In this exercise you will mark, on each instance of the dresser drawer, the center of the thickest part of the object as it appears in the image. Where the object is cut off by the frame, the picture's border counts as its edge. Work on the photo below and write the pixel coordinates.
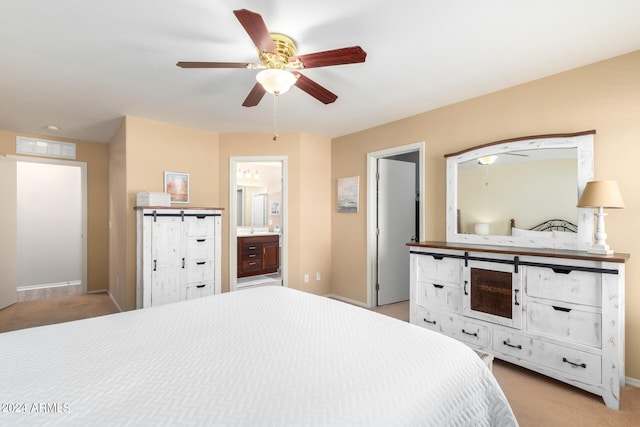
(434, 321)
(572, 362)
(471, 332)
(199, 290)
(565, 322)
(439, 296)
(433, 268)
(200, 248)
(577, 287)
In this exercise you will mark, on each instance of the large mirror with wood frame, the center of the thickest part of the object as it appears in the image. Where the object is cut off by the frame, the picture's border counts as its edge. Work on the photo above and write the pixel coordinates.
(521, 192)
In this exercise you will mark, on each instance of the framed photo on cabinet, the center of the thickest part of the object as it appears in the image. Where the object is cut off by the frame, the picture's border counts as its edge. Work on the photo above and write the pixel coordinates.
(177, 184)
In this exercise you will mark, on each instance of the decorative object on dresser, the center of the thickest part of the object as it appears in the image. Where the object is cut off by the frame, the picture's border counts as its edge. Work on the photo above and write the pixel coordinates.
(177, 184)
(600, 195)
(560, 313)
(258, 254)
(178, 254)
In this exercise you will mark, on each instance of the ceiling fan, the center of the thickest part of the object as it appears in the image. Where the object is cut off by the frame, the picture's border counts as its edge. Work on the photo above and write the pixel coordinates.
(277, 54)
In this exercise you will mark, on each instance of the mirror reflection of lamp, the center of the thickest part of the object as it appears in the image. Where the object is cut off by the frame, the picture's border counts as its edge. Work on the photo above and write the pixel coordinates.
(600, 195)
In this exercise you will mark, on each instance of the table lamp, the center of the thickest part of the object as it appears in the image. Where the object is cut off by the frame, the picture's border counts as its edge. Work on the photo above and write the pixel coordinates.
(601, 194)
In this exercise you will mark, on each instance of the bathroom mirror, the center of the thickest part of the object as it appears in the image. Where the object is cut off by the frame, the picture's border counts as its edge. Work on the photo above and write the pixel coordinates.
(247, 194)
(531, 180)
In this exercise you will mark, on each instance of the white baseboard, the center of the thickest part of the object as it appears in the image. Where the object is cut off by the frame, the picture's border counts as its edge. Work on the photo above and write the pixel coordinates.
(350, 301)
(49, 290)
(632, 381)
(115, 302)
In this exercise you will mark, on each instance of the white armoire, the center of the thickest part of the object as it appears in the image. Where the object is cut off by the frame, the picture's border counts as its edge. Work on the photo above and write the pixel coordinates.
(178, 254)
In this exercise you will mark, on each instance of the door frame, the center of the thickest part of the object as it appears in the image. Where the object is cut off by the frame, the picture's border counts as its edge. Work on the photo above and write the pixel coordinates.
(83, 203)
(233, 216)
(372, 211)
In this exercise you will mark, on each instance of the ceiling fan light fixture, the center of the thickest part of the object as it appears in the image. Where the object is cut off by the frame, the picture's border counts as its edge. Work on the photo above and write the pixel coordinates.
(276, 81)
(488, 160)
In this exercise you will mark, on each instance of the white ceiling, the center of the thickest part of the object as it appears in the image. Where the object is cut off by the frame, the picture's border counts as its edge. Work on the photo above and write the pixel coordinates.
(82, 65)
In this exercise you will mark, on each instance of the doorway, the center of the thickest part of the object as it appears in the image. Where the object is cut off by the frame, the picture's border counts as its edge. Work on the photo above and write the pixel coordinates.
(389, 227)
(258, 209)
(51, 228)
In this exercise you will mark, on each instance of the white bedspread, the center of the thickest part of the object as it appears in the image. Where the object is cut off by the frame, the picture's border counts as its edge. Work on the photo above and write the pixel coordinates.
(267, 356)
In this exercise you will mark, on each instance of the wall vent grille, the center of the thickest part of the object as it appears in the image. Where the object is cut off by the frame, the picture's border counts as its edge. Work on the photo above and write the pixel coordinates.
(44, 147)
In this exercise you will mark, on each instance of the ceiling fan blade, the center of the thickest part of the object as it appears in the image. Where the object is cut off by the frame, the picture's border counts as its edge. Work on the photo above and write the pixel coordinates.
(255, 96)
(256, 28)
(346, 55)
(314, 89)
(193, 64)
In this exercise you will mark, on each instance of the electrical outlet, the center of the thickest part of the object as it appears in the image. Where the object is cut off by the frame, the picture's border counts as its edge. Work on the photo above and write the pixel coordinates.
(318, 276)
(306, 278)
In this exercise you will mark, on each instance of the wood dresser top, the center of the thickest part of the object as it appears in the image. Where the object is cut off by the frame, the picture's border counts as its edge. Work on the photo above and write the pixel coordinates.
(552, 253)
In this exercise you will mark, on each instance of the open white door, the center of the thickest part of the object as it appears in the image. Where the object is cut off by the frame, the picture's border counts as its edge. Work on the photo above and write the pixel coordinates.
(396, 227)
(8, 231)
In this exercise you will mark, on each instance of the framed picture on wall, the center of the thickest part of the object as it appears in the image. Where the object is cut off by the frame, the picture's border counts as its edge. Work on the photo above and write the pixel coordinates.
(348, 194)
(177, 184)
(275, 207)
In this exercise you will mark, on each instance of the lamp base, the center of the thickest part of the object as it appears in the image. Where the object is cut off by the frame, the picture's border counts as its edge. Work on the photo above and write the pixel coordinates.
(600, 249)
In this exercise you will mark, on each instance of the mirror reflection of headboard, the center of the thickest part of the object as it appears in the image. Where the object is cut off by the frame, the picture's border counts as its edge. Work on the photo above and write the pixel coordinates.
(523, 168)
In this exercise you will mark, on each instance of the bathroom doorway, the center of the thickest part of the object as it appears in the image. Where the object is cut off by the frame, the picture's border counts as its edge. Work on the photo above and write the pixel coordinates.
(257, 222)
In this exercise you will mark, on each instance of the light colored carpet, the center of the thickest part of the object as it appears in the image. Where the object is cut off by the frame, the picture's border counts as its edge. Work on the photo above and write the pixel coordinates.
(28, 314)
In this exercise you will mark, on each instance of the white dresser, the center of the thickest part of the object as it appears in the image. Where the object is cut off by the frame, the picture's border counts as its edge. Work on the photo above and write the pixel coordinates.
(559, 313)
(178, 254)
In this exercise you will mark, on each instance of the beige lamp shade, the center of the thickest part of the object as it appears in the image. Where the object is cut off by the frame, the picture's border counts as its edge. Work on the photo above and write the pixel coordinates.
(605, 194)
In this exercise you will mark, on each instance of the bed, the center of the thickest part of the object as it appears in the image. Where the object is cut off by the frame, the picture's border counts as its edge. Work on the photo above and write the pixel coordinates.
(264, 356)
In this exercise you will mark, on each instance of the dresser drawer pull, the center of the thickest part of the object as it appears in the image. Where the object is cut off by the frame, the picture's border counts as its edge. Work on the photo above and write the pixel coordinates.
(201, 262)
(200, 286)
(251, 248)
(519, 347)
(475, 334)
(565, 309)
(252, 255)
(435, 285)
(577, 365)
(429, 321)
(252, 263)
(466, 282)
(201, 240)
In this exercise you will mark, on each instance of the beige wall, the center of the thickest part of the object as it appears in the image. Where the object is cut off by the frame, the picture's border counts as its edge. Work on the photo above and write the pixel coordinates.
(604, 96)
(309, 222)
(95, 155)
(143, 151)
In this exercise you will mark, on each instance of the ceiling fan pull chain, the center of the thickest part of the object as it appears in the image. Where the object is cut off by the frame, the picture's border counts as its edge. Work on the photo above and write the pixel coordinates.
(275, 116)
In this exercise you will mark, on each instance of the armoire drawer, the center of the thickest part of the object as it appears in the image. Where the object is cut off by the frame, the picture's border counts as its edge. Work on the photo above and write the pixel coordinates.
(570, 361)
(441, 295)
(199, 225)
(200, 248)
(199, 290)
(577, 287)
(200, 270)
(565, 322)
(434, 268)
